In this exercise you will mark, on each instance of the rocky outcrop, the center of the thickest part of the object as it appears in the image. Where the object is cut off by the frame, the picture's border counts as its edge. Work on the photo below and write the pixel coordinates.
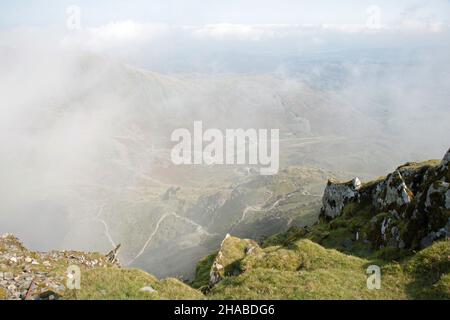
(26, 274)
(410, 208)
(112, 256)
(338, 195)
(232, 250)
(446, 159)
(433, 236)
(392, 193)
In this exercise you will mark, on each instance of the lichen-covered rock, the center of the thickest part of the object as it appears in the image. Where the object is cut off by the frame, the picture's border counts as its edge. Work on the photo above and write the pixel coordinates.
(410, 207)
(433, 236)
(438, 195)
(337, 195)
(232, 250)
(112, 256)
(446, 159)
(384, 230)
(393, 193)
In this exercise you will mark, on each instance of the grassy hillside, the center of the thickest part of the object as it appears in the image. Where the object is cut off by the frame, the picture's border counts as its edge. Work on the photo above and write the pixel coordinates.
(302, 269)
(400, 223)
(134, 284)
(329, 260)
(26, 274)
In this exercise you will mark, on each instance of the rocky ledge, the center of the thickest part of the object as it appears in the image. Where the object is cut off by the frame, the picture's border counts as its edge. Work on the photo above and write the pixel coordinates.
(410, 208)
(32, 275)
(232, 249)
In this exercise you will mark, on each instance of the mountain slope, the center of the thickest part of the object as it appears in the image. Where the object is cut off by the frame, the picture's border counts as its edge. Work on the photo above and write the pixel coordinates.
(383, 223)
(302, 269)
(89, 149)
(330, 259)
(26, 274)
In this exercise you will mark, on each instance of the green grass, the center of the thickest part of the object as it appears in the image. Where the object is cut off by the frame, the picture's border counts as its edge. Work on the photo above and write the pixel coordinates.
(431, 268)
(421, 165)
(327, 261)
(306, 270)
(302, 263)
(125, 284)
(202, 271)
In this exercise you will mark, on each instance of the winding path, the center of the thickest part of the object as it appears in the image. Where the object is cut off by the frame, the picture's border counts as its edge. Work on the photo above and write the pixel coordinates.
(200, 229)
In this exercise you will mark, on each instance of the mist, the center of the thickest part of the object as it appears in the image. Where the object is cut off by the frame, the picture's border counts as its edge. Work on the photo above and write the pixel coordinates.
(86, 118)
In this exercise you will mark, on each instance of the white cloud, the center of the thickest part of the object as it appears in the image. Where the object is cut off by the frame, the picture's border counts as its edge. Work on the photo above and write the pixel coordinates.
(186, 48)
(123, 33)
(115, 34)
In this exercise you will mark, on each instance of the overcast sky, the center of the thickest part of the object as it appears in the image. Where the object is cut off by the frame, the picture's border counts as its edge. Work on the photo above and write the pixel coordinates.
(198, 12)
(199, 35)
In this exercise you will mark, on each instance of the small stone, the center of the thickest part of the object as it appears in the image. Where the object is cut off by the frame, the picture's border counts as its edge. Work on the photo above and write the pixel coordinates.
(147, 289)
(8, 276)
